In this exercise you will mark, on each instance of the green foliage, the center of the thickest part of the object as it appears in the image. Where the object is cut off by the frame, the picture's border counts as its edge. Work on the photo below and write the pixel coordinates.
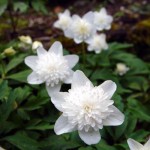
(27, 115)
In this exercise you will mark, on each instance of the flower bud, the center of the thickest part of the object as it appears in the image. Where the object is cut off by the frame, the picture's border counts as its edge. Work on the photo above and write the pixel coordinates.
(9, 51)
(25, 39)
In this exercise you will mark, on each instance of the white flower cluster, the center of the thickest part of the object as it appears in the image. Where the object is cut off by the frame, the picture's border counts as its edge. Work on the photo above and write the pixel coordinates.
(84, 107)
(84, 29)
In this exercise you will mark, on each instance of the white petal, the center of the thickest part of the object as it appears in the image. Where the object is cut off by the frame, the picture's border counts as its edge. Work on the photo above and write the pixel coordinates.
(109, 88)
(103, 10)
(91, 137)
(68, 33)
(116, 118)
(75, 17)
(68, 80)
(33, 78)
(56, 48)
(89, 17)
(41, 51)
(77, 41)
(67, 12)
(58, 98)
(56, 24)
(72, 60)
(147, 144)
(79, 79)
(51, 90)
(62, 126)
(31, 61)
(134, 145)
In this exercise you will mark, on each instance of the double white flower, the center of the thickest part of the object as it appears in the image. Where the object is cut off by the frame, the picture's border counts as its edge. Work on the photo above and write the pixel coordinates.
(86, 108)
(102, 20)
(64, 20)
(97, 43)
(51, 67)
(134, 145)
(81, 29)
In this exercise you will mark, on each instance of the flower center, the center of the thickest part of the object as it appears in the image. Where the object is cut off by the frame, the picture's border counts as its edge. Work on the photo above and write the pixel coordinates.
(52, 68)
(87, 108)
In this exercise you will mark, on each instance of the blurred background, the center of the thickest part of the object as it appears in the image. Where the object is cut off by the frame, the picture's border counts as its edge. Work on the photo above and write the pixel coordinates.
(36, 17)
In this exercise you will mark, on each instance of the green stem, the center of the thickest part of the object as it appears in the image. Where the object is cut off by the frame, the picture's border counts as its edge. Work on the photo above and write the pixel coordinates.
(84, 53)
(3, 68)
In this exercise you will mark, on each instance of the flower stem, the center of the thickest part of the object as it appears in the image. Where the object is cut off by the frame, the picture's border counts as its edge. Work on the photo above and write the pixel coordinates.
(84, 53)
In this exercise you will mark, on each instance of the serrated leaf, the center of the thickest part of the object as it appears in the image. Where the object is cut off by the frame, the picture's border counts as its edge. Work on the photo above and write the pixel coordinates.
(23, 141)
(21, 76)
(15, 62)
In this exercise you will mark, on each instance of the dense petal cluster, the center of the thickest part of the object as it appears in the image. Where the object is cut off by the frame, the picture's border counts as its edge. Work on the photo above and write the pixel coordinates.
(64, 20)
(97, 43)
(86, 108)
(134, 145)
(102, 20)
(51, 67)
(81, 29)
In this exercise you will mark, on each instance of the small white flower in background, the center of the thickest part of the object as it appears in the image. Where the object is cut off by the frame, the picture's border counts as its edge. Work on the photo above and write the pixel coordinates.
(86, 108)
(1, 148)
(81, 29)
(25, 39)
(51, 67)
(134, 145)
(121, 69)
(102, 20)
(97, 43)
(36, 44)
(64, 20)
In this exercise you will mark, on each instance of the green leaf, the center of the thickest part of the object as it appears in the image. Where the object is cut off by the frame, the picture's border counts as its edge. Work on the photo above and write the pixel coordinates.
(15, 62)
(35, 103)
(23, 114)
(139, 110)
(21, 76)
(4, 90)
(41, 126)
(39, 6)
(7, 107)
(140, 135)
(102, 145)
(21, 6)
(103, 74)
(3, 6)
(23, 141)
(132, 121)
(119, 130)
(55, 142)
(118, 46)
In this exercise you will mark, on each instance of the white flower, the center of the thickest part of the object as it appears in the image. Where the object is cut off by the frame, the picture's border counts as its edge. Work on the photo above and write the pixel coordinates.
(51, 67)
(36, 44)
(121, 69)
(63, 21)
(86, 108)
(97, 43)
(102, 20)
(1, 148)
(25, 39)
(134, 145)
(81, 29)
